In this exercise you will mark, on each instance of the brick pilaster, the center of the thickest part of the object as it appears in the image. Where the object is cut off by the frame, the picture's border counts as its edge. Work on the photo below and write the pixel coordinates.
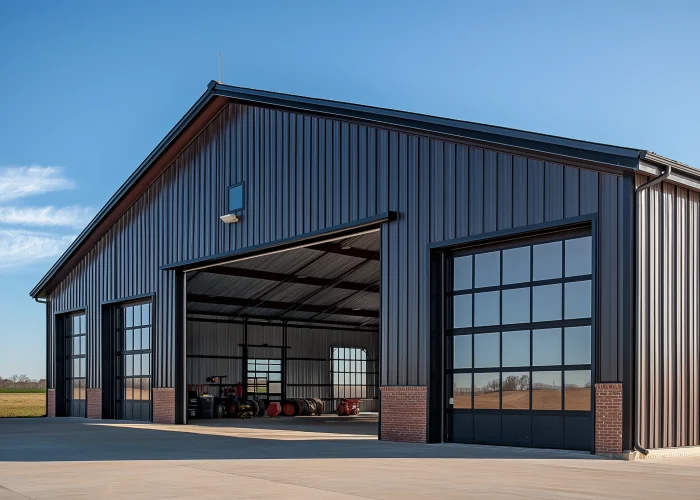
(163, 405)
(50, 402)
(608, 419)
(404, 413)
(94, 403)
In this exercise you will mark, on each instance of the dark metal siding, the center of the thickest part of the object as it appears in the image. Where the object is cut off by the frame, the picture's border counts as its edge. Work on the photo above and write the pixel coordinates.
(455, 191)
(306, 173)
(299, 177)
(668, 327)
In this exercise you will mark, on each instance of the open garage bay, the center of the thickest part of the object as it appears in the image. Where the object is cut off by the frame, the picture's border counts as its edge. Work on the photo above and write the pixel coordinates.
(297, 329)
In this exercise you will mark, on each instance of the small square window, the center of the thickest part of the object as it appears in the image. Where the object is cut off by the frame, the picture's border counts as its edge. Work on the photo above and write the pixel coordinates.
(235, 198)
(487, 268)
(462, 351)
(463, 273)
(462, 390)
(462, 311)
(487, 307)
(487, 350)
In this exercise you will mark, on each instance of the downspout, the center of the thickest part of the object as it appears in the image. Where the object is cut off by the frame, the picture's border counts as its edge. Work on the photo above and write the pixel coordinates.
(46, 397)
(637, 391)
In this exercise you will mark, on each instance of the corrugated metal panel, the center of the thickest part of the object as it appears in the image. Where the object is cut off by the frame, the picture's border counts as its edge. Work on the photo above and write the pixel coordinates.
(309, 376)
(528, 192)
(222, 339)
(198, 369)
(315, 376)
(177, 218)
(441, 189)
(230, 286)
(283, 262)
(668, 329)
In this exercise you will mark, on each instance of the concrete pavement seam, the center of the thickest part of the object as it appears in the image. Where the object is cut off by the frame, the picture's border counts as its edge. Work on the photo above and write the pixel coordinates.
(274, 481)
(15, 492)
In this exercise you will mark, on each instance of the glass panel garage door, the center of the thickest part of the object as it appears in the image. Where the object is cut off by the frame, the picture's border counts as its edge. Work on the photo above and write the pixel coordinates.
(520, 344)
(264, 378)
(76, 354)
(134, 362)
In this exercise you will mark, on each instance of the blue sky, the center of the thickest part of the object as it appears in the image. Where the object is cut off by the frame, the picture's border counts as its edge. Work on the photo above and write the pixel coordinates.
(87, 89)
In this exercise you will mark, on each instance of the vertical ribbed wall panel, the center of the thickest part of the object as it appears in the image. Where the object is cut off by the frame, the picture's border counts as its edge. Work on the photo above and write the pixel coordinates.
(456, 191)
(301, 174)
(668, 331)
(304, 173)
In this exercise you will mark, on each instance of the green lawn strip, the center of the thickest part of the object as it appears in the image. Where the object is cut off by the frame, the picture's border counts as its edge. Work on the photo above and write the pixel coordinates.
(21, 391)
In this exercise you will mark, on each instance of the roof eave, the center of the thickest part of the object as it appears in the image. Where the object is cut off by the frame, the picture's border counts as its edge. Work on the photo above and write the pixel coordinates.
(195, 120)
(603, 154)
(653, 164)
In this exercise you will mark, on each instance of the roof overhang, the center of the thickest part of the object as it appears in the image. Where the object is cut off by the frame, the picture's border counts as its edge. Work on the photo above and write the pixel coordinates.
(681, 174)
(217, 95)
(189, 126)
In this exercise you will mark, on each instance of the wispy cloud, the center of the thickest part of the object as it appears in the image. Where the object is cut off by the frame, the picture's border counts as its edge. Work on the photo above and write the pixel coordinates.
(74, 216)
(19, 247)
(20, 182)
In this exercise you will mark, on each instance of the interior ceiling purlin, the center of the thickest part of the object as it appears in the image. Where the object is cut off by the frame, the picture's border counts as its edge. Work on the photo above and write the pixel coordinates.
(333, 282)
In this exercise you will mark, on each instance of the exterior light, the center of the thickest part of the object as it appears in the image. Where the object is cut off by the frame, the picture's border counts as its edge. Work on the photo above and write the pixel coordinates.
(229, 218)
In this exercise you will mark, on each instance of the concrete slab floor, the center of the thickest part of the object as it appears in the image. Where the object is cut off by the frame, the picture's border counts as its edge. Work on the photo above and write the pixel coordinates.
(77, 458)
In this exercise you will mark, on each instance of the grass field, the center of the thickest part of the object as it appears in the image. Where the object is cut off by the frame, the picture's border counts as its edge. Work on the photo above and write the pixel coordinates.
(16, 391)
(22, 404)
(575, 399)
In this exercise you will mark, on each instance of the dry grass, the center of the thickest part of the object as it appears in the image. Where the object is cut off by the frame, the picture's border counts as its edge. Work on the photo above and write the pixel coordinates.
(22, 404)
(576, 399)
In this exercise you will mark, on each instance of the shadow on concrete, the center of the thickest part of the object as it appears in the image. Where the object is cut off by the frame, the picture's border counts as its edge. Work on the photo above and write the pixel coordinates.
(365, 424)
(66, 439)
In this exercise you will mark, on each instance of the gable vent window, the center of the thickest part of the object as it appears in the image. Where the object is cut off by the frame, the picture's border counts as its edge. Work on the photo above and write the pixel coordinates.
(235, 198)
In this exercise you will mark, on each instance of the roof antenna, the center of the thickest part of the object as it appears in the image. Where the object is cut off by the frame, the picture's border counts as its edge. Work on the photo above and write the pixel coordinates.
(221, 68)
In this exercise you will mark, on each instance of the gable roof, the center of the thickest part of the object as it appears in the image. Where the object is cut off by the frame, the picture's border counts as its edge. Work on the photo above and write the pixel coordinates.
(218, 95)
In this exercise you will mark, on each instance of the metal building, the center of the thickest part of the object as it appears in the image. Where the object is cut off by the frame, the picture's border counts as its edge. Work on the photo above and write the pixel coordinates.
(471, 283)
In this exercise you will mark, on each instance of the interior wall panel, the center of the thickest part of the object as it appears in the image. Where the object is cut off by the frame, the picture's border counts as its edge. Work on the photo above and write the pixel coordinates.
(214, 348)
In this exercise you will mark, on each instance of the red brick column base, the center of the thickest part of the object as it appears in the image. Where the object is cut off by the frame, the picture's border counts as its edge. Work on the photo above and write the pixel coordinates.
(50, 402)
(163, 405)
(404, 416)
(94, 403)
(608, 419)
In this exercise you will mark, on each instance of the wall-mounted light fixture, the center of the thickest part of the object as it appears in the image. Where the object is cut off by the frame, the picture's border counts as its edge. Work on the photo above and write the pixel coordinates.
(229, 218)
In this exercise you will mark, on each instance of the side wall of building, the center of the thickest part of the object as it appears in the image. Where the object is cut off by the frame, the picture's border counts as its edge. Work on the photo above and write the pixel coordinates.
(668, 322)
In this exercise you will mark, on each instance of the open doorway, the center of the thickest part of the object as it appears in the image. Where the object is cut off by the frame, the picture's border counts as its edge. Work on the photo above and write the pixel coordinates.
(298, 327)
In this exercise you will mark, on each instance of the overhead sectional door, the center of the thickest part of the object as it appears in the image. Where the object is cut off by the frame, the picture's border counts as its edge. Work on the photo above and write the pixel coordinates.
(134, 362)
(519, 346)
(264, 378)
(75, 349)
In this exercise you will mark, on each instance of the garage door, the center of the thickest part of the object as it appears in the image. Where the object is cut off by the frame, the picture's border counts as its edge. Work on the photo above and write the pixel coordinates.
(519, 346)
(134, 380)
(75, 349)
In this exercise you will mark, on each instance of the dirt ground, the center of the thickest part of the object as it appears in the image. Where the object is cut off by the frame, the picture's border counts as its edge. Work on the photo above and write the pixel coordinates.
(22, 404)
(574, 399)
